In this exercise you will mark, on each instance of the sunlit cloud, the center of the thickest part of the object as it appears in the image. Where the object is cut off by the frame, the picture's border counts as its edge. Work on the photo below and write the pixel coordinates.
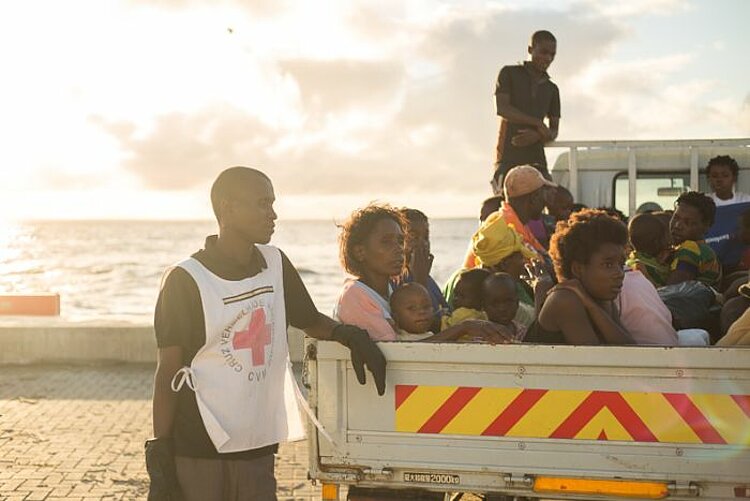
(351, 100)
(638, 7)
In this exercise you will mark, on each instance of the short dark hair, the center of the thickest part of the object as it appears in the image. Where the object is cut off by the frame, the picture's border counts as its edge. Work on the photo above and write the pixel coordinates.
(413, 217)
(615, 212)
(490, 205)
(358, 227)
(724, 160)
(500, 277)
(647, 232)
(700, 201)
(542, 36)
(474, 276)
(578, 238)
(406, 289)
(230, 182)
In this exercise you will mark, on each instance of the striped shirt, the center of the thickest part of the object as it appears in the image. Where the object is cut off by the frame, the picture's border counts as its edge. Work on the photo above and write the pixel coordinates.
(697, 258)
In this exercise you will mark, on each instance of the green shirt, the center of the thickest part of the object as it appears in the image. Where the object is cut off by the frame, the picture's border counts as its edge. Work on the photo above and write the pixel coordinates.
(656, 272)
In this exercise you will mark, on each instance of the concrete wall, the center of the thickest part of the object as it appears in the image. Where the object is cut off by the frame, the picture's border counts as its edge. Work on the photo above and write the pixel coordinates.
(92, 344)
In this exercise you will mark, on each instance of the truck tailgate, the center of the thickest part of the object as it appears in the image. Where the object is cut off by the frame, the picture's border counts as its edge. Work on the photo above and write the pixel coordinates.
(468, 417)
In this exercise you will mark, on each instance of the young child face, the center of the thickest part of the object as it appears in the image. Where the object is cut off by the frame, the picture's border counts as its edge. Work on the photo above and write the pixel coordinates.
(467, 294)
(721, 179)
(413, 311)
(500, 301)
(418, 234)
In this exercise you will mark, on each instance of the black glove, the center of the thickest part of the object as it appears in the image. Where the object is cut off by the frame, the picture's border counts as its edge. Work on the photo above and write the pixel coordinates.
(364, 352)
(161, 471)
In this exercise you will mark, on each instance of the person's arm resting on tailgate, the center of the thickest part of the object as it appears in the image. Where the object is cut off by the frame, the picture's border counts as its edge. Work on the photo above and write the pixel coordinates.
(364, 351)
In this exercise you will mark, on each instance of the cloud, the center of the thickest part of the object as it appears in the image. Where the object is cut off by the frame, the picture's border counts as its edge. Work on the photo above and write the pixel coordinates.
(638, 7)
(418, 114)
(63, 181)
(185, 150)
(330, 86)
(649, 99)
(256, 7)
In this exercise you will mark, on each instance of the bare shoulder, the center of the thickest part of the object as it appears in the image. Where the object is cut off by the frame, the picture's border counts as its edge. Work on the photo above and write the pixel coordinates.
(561, 299)
(560, 307)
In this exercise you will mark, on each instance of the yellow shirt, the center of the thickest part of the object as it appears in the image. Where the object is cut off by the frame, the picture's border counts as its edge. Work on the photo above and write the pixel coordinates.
(739, 332)
(461, 314)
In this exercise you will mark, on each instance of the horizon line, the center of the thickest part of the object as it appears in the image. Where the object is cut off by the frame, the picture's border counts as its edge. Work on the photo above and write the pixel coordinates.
(167, 220)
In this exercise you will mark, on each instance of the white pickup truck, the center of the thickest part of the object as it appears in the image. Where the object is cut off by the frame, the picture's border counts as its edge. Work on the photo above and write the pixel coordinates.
(550, 421)
(536, 421)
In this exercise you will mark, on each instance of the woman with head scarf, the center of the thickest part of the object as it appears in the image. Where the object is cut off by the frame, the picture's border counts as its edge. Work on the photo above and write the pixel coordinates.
(499, 248)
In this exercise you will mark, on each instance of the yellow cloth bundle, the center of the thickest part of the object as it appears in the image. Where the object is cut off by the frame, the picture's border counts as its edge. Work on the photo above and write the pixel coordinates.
(461, 314)
(495, 240)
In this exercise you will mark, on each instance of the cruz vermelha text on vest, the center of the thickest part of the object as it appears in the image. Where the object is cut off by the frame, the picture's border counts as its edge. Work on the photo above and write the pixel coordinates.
(227, 351)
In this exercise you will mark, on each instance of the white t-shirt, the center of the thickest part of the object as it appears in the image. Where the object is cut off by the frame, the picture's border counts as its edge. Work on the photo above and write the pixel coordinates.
(403, 335)
(737, 198)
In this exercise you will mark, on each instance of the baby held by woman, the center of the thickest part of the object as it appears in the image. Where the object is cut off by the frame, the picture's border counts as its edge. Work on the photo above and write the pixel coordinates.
(372, 253)
(480, 296)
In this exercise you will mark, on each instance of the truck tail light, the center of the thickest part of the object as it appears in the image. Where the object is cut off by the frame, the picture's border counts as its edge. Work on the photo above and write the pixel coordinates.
(329, 492)
(619, 488)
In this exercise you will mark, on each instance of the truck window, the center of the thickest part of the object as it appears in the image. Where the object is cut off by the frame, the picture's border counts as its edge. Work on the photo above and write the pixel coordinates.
(660, 187)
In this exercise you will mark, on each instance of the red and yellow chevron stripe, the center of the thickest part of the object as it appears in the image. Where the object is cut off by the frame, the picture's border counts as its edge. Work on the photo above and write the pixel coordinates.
(574, 414)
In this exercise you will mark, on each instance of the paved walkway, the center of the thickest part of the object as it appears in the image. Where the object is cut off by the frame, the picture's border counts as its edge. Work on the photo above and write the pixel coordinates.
(77, 433)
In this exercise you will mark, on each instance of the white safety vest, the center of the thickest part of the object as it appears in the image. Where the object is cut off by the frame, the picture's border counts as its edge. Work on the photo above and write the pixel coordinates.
(242, 377)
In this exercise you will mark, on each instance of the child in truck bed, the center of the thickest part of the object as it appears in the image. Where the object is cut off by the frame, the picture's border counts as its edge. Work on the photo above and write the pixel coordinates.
(467, 298)
(651, 249)
(412, 311)
(500, 303)
(693, 258)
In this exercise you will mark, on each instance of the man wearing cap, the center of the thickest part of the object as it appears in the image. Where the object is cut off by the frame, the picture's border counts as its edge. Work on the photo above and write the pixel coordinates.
(525, 199)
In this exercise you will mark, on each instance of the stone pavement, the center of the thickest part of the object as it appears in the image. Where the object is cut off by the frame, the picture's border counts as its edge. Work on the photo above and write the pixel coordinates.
(77, 433)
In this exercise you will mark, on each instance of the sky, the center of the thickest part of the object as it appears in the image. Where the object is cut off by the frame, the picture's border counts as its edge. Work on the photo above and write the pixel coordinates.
(128, 109)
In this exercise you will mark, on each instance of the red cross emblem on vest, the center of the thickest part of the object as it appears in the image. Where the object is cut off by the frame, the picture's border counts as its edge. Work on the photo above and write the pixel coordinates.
(255, 337)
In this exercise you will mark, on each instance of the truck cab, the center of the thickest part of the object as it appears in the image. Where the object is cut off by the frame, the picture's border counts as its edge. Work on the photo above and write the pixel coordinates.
(598, 173)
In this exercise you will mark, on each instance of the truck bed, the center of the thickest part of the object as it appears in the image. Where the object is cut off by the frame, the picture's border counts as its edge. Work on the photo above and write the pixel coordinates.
(508, 418)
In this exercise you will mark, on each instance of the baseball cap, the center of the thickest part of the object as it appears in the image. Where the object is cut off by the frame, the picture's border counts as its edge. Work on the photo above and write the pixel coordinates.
(523, 180)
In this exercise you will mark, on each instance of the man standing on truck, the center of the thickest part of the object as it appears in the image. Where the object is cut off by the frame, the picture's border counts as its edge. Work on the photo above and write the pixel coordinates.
(524, 97)
(224, 394)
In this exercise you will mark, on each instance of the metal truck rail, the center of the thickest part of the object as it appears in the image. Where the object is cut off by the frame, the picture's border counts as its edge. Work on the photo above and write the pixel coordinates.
(536, 421)
(690, 154)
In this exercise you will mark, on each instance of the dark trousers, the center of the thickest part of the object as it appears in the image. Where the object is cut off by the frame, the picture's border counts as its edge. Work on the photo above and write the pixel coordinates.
(227, 479)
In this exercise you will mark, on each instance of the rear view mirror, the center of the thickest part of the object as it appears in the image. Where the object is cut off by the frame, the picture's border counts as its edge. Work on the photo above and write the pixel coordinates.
(670, 191)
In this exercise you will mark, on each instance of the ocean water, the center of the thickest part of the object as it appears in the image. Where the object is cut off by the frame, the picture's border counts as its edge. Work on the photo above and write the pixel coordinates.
(109, 271)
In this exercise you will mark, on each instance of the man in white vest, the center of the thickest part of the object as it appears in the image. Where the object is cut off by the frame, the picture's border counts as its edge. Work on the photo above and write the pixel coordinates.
(224, 394)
